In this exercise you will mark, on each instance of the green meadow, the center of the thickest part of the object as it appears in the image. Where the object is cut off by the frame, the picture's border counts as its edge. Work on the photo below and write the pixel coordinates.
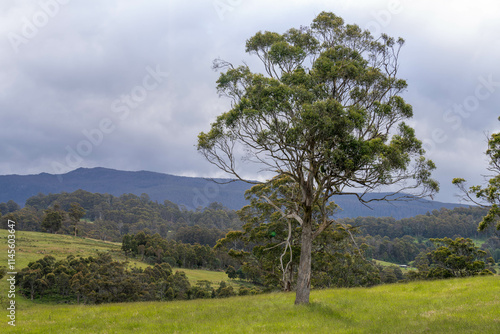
(31, 246)
(449, 306)
(470, 305)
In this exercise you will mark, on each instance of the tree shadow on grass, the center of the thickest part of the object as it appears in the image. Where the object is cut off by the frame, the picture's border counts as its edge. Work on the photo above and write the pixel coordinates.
(329, 312)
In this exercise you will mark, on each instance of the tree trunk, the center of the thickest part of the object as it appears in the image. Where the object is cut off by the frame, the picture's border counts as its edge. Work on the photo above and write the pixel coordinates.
(304, 271)
(288, 279)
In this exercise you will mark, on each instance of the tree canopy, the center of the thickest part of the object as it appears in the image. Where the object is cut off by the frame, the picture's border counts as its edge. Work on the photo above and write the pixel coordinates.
(453, 258)
(327, 114)
(52, 220)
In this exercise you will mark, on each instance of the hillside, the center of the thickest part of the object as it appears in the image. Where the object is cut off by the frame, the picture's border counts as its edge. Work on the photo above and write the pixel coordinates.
(32, 246)
(468, 305)
(187, 191)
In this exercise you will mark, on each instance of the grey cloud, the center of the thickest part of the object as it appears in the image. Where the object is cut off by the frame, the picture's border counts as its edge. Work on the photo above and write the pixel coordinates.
(66, 79)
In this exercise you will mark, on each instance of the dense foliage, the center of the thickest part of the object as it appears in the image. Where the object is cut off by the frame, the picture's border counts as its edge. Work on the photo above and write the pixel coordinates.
(387, 239)
(268, 249)
(453, 258)
(401, 241)
(337, 263)
(155, 249)
(108, 217)
(100, 279)
(436, 224)
(9, 207)
(399, 250)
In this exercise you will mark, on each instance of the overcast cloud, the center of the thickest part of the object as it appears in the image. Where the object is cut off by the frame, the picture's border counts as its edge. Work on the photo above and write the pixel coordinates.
(128, 84)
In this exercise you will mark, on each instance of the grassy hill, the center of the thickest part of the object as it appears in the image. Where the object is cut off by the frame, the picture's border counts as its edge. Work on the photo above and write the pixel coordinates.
(448, 306)
(31, 246)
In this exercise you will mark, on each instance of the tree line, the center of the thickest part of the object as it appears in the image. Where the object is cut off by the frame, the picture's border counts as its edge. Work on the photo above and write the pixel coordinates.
(100, 279)
(452, 258)
(153, 248)
(436, 224)
(341, 261)
(91, 215)
(108, 217)
(401, 241)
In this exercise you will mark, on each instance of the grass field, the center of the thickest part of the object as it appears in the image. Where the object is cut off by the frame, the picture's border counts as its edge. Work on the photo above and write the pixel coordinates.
(448, 306)
(469, 305)
(387, 264)
(31, 246)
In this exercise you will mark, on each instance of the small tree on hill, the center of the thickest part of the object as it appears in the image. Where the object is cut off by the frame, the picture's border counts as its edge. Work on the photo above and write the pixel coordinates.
(231, 272)
(52, 220)
(76, 212)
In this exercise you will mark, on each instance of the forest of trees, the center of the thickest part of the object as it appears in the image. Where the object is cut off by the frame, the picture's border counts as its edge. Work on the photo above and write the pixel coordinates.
(156, 249)
(167, 236)
(436, 224)
(110, 218)
(100, 279)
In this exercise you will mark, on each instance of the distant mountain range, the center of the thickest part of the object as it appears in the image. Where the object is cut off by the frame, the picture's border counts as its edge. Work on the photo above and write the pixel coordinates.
(191, 192)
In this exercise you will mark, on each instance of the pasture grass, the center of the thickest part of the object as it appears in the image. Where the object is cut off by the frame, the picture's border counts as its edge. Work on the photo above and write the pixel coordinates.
(389, 264)
(470, 305)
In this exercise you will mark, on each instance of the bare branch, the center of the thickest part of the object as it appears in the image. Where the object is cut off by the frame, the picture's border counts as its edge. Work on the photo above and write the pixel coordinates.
(292, 215)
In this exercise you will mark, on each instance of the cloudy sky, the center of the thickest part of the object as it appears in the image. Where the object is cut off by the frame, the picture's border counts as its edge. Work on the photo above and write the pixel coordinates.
(127, 84)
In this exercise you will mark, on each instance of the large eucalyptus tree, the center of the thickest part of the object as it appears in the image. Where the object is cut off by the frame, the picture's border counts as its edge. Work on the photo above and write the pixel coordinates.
(327, 114)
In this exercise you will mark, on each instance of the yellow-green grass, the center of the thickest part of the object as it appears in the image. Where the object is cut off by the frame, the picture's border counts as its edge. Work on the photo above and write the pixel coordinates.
(31, 246)
(215, 277)
(388, 264)
(470, 305)
(478, 242)
(408, 268)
